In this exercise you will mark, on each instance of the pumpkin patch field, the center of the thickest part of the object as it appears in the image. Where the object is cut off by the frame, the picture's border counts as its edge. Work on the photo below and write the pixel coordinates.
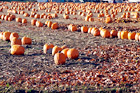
(69, 47)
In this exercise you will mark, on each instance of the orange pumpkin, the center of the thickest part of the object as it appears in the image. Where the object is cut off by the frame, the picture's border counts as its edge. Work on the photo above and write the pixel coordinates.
(89, 30)
(17, 50)
(49, 24)
(19, 20)
(6, 35)
(95, 31)
(72, 53)
(137, 36)
(55, 50)
(64, 51)
(37, 16)
(15, 41)
(46, 47)
(66, 16)
(26, 41)
(39, 24)
(59, 59)
(131, 36)
(91, 19)
(1, 35)
(113, 33)
(54, 26)
(105, 33)
(33, 22)
(119, 34)
(124, 35)
(108, 20)
(14, 34)
(24, 21)
(84, 29)
(64, 46)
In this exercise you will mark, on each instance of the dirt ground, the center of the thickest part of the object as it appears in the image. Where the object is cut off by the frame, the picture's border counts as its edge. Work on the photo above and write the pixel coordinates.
(91, 48)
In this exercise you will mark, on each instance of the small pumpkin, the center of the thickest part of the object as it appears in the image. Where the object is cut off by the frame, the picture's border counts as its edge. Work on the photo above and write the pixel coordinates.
(37, 16)
(6, 35)
(24, 21)
(84, 29)
(15, 41)
(19, 20)
(26, 41)
(33, 22)
(14, 34)
(131, 36)
(105, 33)
(55, 50)
(64, 51)
(1, 35)
(95, 32)
(113, 33)
(124, 35)
(46, 47)
(64, 46)
(91, 19)
(137, 36)
(72, 53)
(108, 20)
(54, 26)
(49, 23)
(119, 34)
(39, 24)
(59, 59)
(89, 30)
(17, 50)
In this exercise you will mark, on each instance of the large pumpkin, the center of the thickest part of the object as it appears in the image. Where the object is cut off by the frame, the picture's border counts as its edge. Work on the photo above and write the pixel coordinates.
(84, 29)
(113, 33)
(72, 53)
(64, 51)
(137, 36)
(59, 59)
(95, 31)
(54, 26)
(17, 50)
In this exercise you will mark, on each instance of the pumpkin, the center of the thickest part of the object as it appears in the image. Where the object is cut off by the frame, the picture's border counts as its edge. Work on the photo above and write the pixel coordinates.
(1, 35)
(124, 35)
(108, 20)
(87, 18)
(26, 41)
(105, 33)
(39, 24)
(26, 15)
(46, 47)
(91, 19)
(131, 36)
(66, 16)
(24, 21)
(137, 36)
(17, 50)
(14, 34)
(49, 24)
(72, 53)
(10, 19)
(54, 26)
(73, 28)
(55, 50)
(6, 35)
(37, 16)
(59, 59)
(89, 30)
(6, 18)
(33, 22)
(15, 41)
(64, 46)
(64, 51)
(119, 34)
(113, 33)
(19, 20)
(84, 29)
(95, 32)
